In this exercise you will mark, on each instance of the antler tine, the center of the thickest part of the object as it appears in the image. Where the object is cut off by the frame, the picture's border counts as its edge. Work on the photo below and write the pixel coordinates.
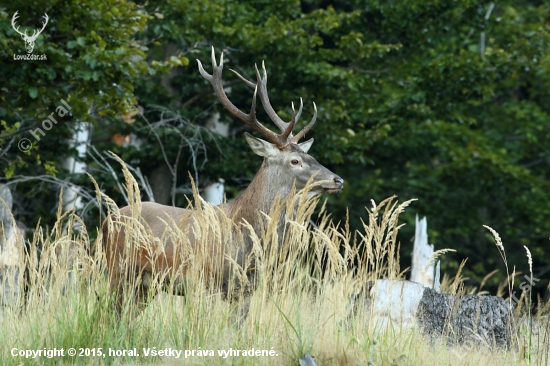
(306, 129)
(299, 109)
(204, 74)
(214, 65)
(250, 119)
(243, 79)
(253, 115)
(288, 130)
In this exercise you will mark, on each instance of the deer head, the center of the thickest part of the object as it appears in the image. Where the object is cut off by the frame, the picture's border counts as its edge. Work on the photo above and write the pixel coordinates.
(29, 40)
(286, 161)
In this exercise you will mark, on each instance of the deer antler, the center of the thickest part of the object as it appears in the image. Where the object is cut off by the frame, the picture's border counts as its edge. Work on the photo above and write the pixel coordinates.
(15, 16)
(262, 82)
(280, 140)
(43, 24)
(35, 33)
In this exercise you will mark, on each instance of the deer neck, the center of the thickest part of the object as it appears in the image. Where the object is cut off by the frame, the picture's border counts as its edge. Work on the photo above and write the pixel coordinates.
(260, 195)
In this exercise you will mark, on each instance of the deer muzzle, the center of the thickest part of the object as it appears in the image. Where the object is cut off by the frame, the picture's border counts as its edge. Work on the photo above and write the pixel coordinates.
(336, 186)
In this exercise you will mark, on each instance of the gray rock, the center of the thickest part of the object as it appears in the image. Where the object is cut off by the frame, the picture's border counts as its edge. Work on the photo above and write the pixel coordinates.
(307, 360)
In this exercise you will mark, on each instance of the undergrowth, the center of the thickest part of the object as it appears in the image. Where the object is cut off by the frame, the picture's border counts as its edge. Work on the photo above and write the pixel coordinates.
(307, 296)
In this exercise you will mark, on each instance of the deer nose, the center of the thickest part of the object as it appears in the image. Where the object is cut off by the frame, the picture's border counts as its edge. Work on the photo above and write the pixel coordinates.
(339, 182)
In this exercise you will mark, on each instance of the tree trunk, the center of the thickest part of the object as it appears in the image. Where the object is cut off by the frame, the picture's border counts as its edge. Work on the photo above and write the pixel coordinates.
(9, 253)
(422, 265)
(160, 180)
(470, 319)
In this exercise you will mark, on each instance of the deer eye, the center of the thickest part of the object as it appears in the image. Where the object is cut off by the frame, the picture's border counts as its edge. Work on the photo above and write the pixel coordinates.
(294, 162)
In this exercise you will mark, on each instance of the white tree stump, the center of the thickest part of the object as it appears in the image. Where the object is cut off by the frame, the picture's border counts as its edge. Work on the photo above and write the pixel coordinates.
(422, 265)
(10, 253)
(402, 305)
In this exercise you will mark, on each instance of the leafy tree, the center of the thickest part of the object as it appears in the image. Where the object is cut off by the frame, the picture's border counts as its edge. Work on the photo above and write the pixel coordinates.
(93, 62)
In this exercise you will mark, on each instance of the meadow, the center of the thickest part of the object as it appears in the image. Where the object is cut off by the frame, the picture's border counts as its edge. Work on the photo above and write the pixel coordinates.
(309, 298)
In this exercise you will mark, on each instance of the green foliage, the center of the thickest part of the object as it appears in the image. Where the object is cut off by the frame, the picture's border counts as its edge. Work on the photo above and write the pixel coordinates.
(93, 59)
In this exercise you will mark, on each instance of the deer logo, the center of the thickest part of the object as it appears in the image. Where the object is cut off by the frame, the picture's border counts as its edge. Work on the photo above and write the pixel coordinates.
(29, 40)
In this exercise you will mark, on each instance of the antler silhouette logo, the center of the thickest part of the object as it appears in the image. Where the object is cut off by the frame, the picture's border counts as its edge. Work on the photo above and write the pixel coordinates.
(29, 40)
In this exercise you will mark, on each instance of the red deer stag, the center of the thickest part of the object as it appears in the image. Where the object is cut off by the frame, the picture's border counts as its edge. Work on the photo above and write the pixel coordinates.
(286, 164)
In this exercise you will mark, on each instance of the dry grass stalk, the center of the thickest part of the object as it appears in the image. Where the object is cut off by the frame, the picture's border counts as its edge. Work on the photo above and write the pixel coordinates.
(301, 303)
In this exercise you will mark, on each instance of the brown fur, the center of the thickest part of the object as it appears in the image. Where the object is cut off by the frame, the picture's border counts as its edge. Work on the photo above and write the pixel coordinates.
(275, 178)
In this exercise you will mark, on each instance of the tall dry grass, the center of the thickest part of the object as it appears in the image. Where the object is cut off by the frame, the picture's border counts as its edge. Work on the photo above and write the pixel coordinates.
(307, 296)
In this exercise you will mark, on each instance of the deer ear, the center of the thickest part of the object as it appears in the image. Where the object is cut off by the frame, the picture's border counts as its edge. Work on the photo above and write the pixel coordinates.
(306, 145)
(261, 147)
